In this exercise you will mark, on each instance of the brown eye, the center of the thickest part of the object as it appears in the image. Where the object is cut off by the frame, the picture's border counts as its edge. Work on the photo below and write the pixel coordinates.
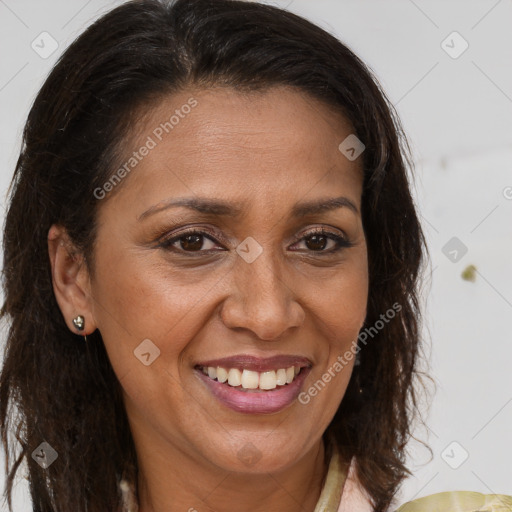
(319, 241)
(316, 242)
(190, 242)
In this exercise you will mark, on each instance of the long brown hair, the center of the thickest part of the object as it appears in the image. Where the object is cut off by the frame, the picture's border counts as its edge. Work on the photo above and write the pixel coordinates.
(54, 388)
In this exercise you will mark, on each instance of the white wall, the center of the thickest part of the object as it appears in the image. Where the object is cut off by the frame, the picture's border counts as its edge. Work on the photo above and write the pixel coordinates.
(458, 115)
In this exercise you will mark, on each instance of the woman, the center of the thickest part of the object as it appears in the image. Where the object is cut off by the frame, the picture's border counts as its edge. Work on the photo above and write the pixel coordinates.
(211, 261)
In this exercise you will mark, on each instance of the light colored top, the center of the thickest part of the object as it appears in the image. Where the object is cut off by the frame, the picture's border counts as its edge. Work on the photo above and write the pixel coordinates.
(343, 493)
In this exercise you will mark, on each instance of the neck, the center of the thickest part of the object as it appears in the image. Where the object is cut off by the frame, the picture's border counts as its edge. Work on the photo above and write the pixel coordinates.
(172, 481)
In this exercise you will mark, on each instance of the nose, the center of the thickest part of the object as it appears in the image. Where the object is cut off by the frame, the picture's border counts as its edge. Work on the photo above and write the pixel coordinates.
(261, 300)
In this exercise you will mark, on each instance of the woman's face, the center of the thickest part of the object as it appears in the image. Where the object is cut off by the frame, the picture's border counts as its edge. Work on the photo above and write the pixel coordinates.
(254, 288)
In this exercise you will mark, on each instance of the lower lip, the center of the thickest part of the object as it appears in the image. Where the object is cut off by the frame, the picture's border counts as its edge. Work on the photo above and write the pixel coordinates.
(248, 402)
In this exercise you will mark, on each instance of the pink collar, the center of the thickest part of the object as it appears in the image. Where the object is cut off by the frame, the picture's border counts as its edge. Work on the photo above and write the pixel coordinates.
(354, 497)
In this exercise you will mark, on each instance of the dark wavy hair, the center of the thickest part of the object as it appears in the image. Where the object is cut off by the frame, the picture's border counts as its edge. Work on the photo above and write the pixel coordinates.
(55, 389)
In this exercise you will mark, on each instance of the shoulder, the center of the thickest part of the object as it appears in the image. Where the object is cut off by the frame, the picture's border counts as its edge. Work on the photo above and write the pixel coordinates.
(355, 499)
(459, 501)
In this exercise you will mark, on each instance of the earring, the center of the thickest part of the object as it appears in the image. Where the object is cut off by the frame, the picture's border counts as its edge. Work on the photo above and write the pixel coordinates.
(79, 322)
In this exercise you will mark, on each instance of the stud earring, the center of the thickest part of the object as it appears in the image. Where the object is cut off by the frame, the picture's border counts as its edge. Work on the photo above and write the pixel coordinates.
(79, 322)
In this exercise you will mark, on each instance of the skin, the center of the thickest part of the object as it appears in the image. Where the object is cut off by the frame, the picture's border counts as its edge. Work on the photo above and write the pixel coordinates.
(267, 151)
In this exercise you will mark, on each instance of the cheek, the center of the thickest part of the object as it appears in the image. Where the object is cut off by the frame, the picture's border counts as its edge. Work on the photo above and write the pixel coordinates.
(340, 303)
(134, 301)
(341, 310)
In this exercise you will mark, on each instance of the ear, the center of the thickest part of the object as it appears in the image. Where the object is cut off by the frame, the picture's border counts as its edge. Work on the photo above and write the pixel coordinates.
(71, 280)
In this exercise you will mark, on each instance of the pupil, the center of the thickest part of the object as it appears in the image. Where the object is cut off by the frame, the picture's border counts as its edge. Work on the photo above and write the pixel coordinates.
(318, 242)
(192, 242)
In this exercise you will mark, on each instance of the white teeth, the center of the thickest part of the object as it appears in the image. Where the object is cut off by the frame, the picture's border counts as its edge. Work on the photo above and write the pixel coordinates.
(222, 375)
(268, 380)
(281, 377)
(234, 377)
(249, 379)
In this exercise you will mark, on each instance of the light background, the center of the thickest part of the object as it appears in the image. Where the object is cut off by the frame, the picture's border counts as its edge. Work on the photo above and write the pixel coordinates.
(458, 115)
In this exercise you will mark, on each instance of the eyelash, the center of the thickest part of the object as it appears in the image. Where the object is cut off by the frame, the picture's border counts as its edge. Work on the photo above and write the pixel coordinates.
(166, 243)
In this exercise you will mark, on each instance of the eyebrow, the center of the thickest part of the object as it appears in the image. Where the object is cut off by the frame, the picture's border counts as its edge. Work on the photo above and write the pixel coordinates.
(221, 208)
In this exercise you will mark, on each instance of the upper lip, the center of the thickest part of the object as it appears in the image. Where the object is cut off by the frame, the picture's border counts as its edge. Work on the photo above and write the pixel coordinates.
(258, 364)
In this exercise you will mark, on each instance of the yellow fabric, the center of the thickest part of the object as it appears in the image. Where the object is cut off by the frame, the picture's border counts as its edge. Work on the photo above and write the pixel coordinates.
(454, 501)
(332, 489)
(459, 501)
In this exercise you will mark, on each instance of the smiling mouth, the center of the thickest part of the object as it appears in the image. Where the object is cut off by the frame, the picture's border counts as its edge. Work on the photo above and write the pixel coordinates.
(252, 381)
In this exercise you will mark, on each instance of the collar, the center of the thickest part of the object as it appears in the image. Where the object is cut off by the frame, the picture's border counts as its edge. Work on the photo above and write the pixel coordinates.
(330, 496)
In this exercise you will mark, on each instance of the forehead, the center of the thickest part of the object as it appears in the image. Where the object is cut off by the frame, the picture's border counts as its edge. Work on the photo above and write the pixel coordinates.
(226, 143)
